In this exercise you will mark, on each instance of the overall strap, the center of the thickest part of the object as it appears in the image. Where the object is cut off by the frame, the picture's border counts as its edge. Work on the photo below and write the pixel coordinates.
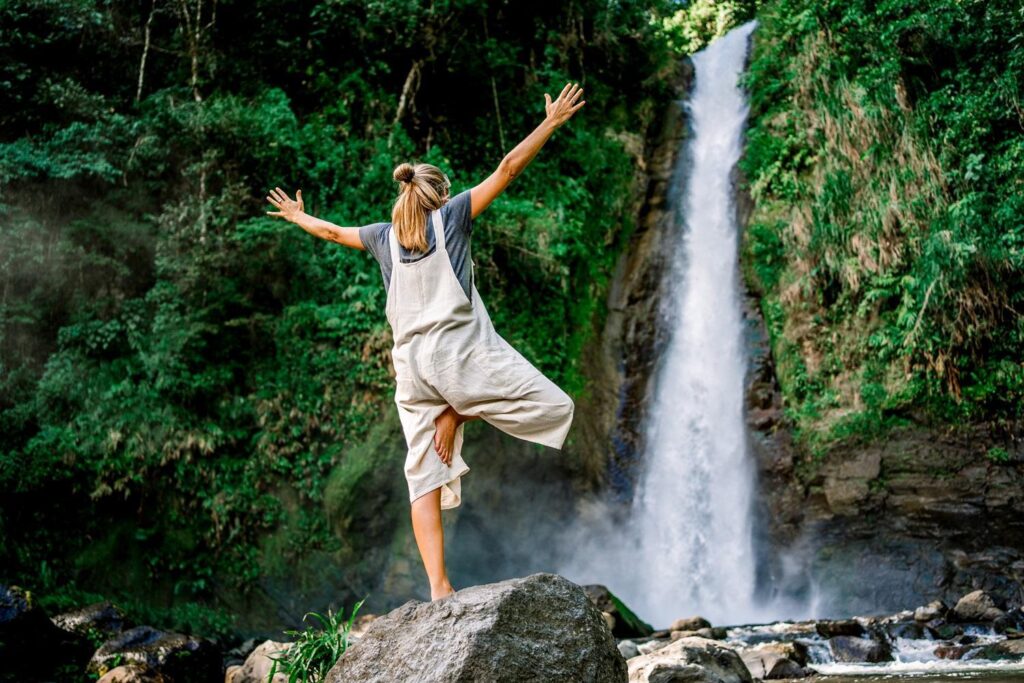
(438, 229)
(393, 243)
(438, 235)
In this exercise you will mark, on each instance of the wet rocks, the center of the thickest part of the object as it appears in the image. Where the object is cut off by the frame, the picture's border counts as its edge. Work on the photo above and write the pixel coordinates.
(689, 624)
(538, 627)
(827, 628)
(776, 660)
(933, 610)
(976, 606)
(693, 659)
(856, 649)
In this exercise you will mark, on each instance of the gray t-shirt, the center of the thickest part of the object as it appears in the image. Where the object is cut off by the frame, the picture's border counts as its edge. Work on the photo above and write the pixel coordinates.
(457, 216)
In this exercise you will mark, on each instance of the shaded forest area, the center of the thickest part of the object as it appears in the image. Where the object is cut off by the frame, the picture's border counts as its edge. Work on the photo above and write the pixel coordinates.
(180, 373)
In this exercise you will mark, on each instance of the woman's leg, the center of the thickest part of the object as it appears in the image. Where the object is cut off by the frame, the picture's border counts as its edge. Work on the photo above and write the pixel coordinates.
(426, 526)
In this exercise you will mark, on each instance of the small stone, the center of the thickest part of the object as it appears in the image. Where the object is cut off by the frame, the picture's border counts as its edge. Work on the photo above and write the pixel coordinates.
(933, 610)
(652, 645)
(689, 624)
(609, 620)
(947, 651)
(628, 649)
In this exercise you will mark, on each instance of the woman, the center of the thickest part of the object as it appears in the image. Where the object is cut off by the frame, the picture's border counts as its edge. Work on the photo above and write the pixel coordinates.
(451, 365)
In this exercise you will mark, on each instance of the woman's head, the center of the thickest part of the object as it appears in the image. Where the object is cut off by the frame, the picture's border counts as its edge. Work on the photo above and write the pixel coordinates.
(423, 188)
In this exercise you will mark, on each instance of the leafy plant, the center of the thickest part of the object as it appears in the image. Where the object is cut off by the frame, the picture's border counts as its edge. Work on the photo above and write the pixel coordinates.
(309, 658)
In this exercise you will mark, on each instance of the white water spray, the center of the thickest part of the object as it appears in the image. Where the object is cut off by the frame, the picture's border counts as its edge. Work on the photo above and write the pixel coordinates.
(687, 547)
(692, 508)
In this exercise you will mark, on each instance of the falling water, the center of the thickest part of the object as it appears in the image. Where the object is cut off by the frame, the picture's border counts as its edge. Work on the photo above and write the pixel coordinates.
(693, 501)
(687, 545)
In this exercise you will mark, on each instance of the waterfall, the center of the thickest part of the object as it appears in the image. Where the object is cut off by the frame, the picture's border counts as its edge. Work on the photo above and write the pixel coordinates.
(686, 545)
(692, 506)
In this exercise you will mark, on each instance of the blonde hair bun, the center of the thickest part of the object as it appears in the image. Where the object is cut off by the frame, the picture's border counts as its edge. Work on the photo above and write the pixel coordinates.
(404, 173)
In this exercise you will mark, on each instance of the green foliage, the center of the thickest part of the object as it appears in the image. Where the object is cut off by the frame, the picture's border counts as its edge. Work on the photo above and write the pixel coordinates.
(699, 22)
(883, 144)
(998, 454)
(316, 650)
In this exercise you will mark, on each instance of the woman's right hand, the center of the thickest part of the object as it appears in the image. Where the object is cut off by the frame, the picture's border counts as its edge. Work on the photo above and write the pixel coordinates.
(562, 109)
(290, 209)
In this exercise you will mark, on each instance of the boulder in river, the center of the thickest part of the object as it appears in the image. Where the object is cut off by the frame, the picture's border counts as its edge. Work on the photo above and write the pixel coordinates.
(693, 660)
(856, 649)
(626, 624)
(774, 660)
(976, 606)
(936, 609)
(827, 628)
(689, 624)
(541, 627)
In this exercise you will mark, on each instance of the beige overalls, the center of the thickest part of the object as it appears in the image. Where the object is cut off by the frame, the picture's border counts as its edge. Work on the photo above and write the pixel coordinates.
(447, 352)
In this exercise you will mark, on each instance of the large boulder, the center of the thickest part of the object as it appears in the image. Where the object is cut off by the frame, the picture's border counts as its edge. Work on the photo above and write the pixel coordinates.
(101, 618)
(690, 660)
(180, 657)
(31, 646)
(541, 627)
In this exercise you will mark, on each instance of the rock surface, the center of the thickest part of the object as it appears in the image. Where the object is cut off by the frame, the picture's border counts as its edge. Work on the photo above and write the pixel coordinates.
(31, 646)
(132, 673)
(103, 617)
(856, 649)
(541, 627)
(689, 624)
(180, 657)
(693, 659)
(258, 665)
(977, 606)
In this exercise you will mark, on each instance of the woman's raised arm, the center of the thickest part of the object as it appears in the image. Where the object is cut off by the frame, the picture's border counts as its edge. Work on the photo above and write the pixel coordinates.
(292, 211)
(558, 112)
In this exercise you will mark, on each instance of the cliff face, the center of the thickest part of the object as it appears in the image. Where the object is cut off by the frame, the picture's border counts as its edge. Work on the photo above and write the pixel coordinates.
(888, 519)
(620, 359)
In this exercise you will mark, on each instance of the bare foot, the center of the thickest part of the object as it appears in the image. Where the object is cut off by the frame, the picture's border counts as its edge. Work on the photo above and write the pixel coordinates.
(444, 436)
(441, 591)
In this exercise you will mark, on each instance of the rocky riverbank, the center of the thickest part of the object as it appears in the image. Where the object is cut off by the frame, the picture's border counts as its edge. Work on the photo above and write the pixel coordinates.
(541, 627)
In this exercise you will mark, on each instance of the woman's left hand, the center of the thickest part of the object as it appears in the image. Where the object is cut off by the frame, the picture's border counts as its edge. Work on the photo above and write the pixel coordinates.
(290, 209)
